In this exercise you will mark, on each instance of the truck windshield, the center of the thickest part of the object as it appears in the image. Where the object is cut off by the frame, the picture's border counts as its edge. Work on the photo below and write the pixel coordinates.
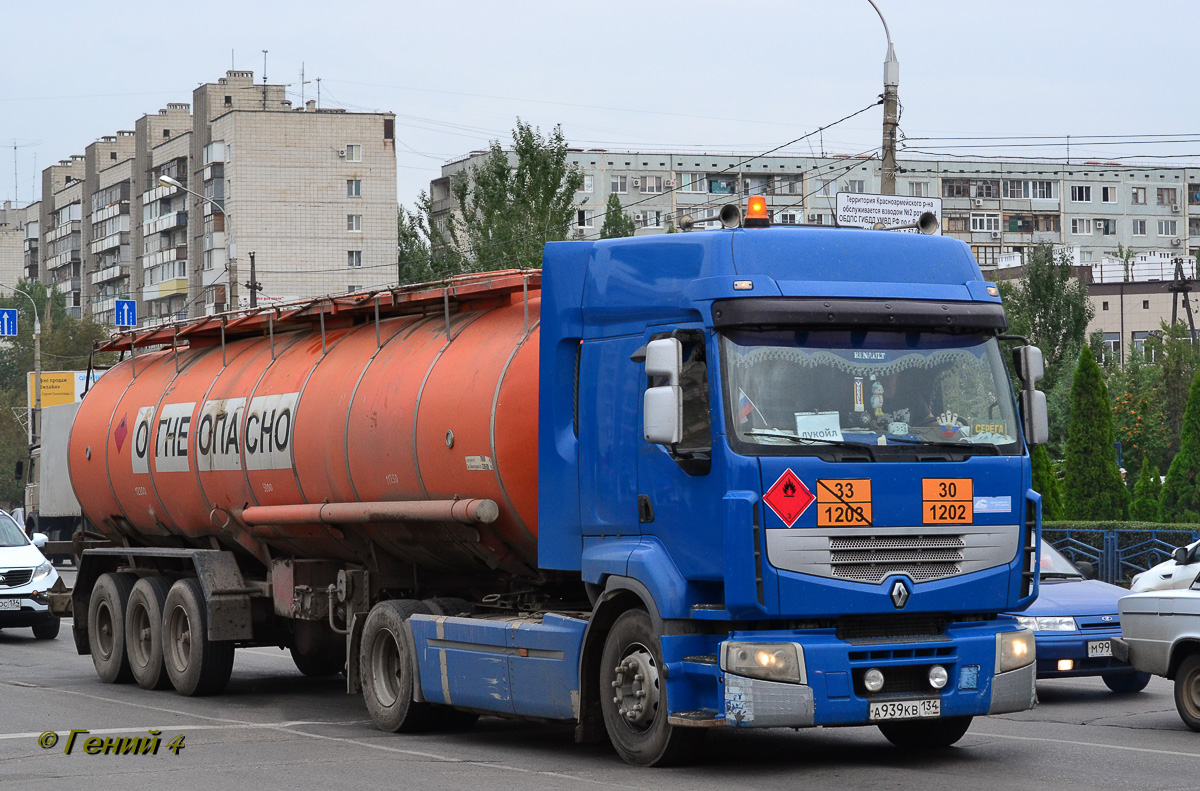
(10, 534)
(805, 391)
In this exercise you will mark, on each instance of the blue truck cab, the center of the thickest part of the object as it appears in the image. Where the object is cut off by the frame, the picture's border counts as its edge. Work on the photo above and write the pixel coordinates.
(789, 467)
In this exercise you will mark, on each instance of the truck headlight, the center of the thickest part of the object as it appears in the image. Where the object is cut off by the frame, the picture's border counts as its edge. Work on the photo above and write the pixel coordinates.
(766, 661)
(1014, 650)
(42, 571)
(1054, 623)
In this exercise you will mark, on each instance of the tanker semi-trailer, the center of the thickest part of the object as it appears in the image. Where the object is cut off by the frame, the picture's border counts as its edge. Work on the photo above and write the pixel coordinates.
(743, 478)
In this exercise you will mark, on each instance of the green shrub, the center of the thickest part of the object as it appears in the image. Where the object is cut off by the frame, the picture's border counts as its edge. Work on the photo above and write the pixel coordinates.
(1045, 484)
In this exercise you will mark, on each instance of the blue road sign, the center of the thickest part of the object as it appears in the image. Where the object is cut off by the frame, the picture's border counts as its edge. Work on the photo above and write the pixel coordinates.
(8, 322)
(126, 311)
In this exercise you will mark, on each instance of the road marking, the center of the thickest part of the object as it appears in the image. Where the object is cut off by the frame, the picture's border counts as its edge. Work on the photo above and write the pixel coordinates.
(178, 727)
(1088, 744)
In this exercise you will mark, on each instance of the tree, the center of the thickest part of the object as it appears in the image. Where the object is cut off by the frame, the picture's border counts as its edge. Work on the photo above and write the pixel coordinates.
(1050, 306)
(1125, 255)
(422, 252)
(1180, 500)
(1045, 484)
(1177, 358)
(513, 203)
(1138, 418)
(616, 222)
(1094, 490)
(1145, 503)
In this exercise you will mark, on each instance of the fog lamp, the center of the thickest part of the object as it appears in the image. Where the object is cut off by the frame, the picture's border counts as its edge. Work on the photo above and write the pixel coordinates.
(873, 679)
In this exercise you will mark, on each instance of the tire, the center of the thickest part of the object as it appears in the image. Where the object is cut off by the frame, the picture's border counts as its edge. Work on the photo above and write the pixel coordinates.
(1187, 692)
(387, 663)
(318, 664)
(637, 723)
(445, 605)
(1127, 683)
(144, 632)
(925, 734)
(196, 665)
(106, 627)
(47, 629)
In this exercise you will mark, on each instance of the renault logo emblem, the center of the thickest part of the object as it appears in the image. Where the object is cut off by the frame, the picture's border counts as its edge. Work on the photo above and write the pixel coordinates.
(899, 594)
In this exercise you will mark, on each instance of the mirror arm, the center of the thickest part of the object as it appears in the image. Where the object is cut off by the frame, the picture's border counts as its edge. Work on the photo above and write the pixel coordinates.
(1009, 337)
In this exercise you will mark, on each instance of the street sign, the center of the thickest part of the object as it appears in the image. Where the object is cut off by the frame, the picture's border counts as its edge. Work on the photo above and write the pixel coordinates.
(126, 310)
(8, 322)
(863, 210)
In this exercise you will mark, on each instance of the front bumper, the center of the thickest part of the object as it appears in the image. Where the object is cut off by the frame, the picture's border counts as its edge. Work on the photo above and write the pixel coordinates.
(31, 612)
(1053, 646)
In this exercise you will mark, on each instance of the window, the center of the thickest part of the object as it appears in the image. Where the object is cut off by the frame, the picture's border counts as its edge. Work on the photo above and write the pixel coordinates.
(354, 258)
(1112, 344)
(1139, 338)
(1168, 196)
(1145, 304)
(589, 183)
(787, 185)
(112, 155)
(1108, 194)
(649, 219)
(1193, 194)
(1042, 190)
(985, 222)
(918, 189)
(1139, 227)
(1105, 227)
(1138, 196)
(166, 133)
(1081, 226)
(1103, 306)
(987, 255)
(618, 184)
(229, 101)
(817, 219)
(788, 218)
(353, 288)
(956, 188)
(856, 185)
(652, 185)
(694, 451)
(354, 222)
(389, 128)
(353, 188)
(584, 218)
(693, 182)
(1018, 223)
(827, 186)
(1016, 189)
(955, 223)
(725, 186)
(985, 188)
(1081, 193)
(1046, 222)
(754, 185)
(353, 153)
(1167, 227)
(1085, 255)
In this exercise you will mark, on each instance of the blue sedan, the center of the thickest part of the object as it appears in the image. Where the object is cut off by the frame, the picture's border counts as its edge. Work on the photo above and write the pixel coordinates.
(1074, 620)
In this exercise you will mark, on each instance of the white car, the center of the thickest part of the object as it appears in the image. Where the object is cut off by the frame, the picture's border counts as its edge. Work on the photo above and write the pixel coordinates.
(25, 576)
(1178, 573)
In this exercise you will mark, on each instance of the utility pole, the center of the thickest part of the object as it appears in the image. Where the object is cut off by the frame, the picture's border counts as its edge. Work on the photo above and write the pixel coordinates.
(891, 111)
(253, 285)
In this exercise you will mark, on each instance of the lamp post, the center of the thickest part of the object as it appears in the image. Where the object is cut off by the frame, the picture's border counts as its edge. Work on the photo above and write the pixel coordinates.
(891, 111)
(167, 181)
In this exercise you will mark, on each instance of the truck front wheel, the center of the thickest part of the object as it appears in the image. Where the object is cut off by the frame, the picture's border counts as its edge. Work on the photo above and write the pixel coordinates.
(106, 627)
(1187, 692)
(387, 667)
(925, 734)
(633, 697)
(196, 665)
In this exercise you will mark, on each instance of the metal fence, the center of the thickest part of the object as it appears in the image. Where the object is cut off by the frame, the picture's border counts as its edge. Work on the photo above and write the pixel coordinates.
(1119, 554)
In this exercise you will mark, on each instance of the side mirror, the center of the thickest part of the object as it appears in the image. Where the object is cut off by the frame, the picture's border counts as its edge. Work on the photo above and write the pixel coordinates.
(1034, 418)
(39, 540)
(1180, 555)
(664, 357)
(1086, 569)
(1029, 364)
(19, 473)
(662, 406)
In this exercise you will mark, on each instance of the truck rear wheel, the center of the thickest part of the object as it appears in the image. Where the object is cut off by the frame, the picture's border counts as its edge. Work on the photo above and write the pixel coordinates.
(925, 734)
(106, 627)
(1187, 692)
(387, 664)
(196, 665)
(633, 697)
(144, 632)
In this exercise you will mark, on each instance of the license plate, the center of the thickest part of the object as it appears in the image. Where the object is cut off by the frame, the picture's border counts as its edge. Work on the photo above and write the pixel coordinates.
(1099, 648)
(10, 604)
(906, 709)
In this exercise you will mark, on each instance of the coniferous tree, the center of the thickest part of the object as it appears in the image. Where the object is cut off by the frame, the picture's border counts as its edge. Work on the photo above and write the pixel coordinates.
(1180, 501)
(1045, 484)
(616, 222)
(1145, 504)
(1094, 490)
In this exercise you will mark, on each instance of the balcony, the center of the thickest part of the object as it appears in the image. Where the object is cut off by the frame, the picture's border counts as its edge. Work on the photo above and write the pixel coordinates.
(176, 219)
(62, 259)
(178, 253)
(167, 288)
(103, 306)
(119, 239)
(66, 229)
(110, 211)
(158, 193)
(108, 273)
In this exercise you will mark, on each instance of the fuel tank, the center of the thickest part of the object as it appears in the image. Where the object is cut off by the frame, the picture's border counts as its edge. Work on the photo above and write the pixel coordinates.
(404, 398)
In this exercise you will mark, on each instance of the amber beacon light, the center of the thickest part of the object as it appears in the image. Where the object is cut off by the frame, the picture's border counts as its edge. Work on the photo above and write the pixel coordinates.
(756, 213)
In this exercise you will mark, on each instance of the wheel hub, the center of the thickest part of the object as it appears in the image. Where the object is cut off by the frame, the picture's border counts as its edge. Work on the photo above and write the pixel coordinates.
(636, 688)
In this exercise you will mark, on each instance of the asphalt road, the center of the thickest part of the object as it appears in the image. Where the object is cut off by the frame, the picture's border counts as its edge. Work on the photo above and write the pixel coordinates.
(274, 728)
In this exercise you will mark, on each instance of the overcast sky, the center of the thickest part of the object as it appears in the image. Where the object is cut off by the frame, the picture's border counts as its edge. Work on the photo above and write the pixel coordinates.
(713, 76)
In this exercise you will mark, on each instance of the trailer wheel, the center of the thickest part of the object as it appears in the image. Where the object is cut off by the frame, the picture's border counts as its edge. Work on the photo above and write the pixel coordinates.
(106, 627)
(196, 665)
(633, 697)
(387, 663)
(144, 632)
(1187, 691)
(925, 734)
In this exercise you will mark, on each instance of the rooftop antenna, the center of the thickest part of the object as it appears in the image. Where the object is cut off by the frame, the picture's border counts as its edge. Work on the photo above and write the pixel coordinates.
(232, 62)
(264, 79)
(318, 93)
(303, 82)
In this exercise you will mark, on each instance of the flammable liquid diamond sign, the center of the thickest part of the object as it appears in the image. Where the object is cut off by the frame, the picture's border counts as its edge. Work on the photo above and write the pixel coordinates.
(863, 210)
(788, 498)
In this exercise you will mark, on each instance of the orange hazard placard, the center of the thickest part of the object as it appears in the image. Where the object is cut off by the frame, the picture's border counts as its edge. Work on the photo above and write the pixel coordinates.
(843, 502)
(947, 501)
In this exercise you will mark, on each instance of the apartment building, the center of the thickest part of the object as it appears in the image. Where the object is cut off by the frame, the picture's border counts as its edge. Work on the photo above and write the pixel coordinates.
(14, 225)
(309, 192)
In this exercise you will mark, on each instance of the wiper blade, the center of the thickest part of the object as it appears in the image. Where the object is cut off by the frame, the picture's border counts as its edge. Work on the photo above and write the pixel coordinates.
(754, 432)
(1061, 575)
(992, 449)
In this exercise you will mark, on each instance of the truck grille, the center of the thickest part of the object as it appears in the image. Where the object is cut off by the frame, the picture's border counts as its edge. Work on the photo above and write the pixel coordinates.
(874, 558)
(874, 629)
(15, 577)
